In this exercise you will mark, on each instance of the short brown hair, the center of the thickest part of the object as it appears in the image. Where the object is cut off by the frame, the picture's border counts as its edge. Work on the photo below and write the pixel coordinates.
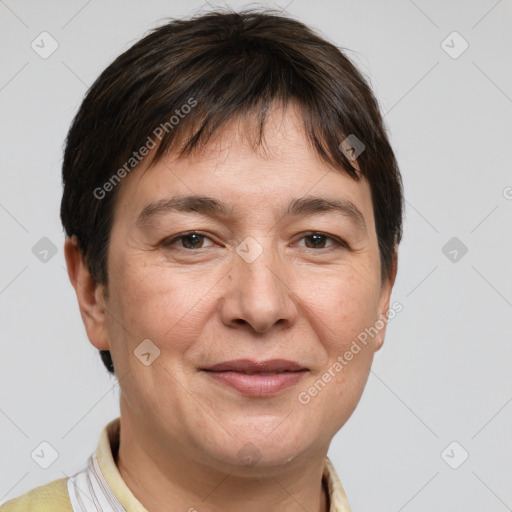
(230, 64)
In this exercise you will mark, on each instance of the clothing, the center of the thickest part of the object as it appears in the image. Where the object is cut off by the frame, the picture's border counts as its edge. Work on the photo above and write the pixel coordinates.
(100, 487)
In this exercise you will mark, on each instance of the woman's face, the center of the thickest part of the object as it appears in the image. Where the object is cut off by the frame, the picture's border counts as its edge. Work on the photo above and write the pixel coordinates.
(270, 274)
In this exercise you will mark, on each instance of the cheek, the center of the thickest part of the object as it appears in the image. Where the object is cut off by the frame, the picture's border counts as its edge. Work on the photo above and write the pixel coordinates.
(161, 304)
(345, 301)
(342, 310)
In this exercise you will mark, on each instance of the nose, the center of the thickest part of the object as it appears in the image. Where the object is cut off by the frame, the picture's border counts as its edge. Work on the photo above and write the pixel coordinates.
(259, 296)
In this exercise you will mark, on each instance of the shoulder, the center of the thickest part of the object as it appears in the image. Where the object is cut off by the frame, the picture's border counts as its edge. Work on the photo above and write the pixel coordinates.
(51, 497)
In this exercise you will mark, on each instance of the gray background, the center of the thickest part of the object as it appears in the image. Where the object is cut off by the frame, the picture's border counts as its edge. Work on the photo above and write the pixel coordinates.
(443, 374)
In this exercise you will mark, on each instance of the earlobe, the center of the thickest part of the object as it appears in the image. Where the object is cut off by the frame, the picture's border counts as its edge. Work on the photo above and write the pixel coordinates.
(385, 297)
(89, 295)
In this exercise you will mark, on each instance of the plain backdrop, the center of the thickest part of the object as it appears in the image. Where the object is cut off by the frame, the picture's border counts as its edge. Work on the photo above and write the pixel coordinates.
(440, 389)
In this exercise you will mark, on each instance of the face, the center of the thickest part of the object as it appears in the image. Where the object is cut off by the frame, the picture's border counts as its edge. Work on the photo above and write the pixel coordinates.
(287, 267)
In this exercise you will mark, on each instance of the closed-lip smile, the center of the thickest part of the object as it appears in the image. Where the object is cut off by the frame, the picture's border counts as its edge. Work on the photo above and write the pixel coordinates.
(256, 378)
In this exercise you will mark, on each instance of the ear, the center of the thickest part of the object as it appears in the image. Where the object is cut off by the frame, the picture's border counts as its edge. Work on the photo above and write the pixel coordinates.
(385, 296)
(90, 295)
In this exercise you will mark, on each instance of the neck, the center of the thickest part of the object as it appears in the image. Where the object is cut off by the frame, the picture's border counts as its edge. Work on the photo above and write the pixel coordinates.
(171, 480)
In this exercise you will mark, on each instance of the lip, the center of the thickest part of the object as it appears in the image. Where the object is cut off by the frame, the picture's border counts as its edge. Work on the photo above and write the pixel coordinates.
(254, 378)
(249, 366)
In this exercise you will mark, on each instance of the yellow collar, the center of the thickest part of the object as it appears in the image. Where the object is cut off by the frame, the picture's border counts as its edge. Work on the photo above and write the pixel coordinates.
(110, 486)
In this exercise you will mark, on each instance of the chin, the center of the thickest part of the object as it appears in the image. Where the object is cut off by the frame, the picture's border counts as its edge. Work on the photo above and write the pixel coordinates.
(258, 451)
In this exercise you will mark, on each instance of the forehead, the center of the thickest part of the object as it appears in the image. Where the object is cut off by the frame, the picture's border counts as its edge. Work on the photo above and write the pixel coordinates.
(246, 175)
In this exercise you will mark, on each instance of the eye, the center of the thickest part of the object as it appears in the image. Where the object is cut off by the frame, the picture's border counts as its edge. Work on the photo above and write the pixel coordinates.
(317, 240)
(190, 240)
(194, 241)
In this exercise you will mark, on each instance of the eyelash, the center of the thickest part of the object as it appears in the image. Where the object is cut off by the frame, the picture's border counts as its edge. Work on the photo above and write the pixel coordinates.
(339, 242)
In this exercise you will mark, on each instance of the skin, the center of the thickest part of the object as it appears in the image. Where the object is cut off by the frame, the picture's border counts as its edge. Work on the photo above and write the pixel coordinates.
(181, 431)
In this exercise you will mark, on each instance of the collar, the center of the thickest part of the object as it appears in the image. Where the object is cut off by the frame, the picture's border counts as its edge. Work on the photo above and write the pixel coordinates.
(100, 486)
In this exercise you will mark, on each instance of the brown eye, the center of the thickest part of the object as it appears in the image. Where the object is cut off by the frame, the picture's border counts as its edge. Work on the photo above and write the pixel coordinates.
(189, 241)
(192, 241)
(319, 241)
(315, 241)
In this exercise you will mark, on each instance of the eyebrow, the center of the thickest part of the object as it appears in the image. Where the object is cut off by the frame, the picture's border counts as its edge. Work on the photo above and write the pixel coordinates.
(209, 206)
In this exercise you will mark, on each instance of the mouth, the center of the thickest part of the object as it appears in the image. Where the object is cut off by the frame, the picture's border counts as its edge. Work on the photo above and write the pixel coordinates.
(254, 378)
(252, 367)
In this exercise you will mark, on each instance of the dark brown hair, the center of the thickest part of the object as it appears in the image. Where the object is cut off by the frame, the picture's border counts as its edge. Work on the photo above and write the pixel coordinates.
(223, 64)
